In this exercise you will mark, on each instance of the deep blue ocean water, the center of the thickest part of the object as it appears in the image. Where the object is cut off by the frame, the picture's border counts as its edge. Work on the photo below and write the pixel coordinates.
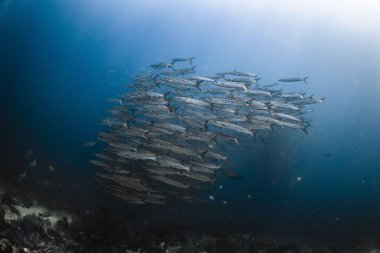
(61, 60)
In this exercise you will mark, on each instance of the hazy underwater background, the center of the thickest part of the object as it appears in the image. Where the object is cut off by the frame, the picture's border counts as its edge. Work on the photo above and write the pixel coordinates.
(61, 60)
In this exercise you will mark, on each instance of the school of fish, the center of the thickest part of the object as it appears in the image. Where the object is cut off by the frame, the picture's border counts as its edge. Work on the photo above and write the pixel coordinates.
(173, 130)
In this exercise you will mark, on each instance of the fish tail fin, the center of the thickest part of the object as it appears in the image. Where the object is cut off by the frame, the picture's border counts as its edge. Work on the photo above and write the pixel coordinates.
(170, 107)
(155, 78)
(203, 154)
(307, 121)
(147, 133)
(231, 94)
(180, 115)
(214, 139)
(238, 110)
(193, 69)
(254, 135)
(246, 86)
(304, 79)
(323, 100)
(236, 140)
(256, 81)
(268, 105)
(197, 85)
(271, 126)
(206, 124)
(191, 60)
(304, 129)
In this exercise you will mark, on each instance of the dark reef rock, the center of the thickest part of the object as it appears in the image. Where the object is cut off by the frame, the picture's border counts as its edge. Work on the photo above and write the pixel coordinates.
(5, 246)
(100, 231)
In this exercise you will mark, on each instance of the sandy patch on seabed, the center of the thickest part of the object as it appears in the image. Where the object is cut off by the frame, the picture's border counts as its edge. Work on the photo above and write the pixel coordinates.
(36, 210)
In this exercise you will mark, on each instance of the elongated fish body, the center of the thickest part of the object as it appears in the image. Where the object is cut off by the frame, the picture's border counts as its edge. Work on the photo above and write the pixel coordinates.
(255, 103)
(286, 116)
(225, 137)
(202, 79)
(162, 65)
(238, 119)
(294, 79)
(242, 79)
(269, 85)
(189, 59)
(294, 126)
(171, 127)
(222, 101)
(171, 182)
(163, 171)
(169, 162)
(215, 77)
(264, 119)
(163, 145)
(198, 138)
(112, 122)
(231, 126)
(143, 78)
(283, 105)
(137, 155)
(236, 85)
(309, 101)
(160, 131)
(197, 177)
(135, 132)
(176, 72)
(101, 164)
(122, 146)
(177, 80)
(216, 156)
(259, 126)
(292, 95)
(208, 165)
(105, 156)
(192, 101)
(202, 169)
(239, 73)
(258, 92)
(152, 94)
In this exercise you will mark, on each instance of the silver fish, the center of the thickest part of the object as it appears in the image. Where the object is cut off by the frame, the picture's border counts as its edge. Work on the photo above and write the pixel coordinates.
(294, 79)
(189, 59)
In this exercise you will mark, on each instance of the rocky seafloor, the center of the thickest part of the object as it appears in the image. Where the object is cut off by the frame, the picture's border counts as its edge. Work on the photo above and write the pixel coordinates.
(26, 226)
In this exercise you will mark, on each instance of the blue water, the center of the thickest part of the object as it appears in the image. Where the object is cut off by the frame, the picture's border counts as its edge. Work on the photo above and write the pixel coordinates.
(61, 60)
